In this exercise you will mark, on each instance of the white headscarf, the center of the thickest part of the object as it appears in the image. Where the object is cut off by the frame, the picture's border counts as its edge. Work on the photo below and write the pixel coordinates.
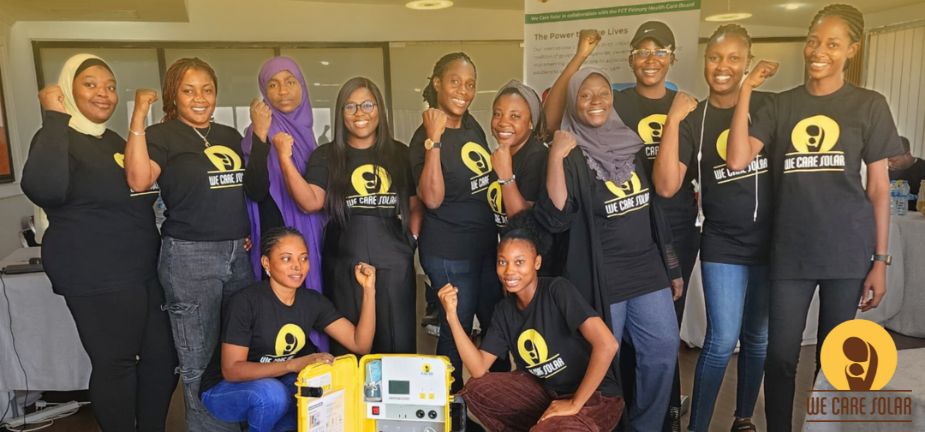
(78, 122)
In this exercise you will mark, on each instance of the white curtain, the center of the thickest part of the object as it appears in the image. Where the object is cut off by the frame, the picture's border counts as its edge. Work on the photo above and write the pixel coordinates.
(895, 67)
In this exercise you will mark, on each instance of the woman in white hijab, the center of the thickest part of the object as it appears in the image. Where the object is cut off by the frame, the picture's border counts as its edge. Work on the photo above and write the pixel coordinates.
(100, 249)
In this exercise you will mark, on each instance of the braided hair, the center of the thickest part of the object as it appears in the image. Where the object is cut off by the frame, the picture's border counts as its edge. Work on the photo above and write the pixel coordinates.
(850, 15)
(430, 93)
(272, 236)
(731, 29)
(174, 77)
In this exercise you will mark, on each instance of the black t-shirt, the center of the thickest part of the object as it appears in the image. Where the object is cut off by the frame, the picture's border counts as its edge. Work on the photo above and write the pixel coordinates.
(823, 221)
(372, 187)
(647, 117)
(272, 331)
(257, 185)
(529, 167)
(733, 233)
(101, 235)
(463, 226)
(914, 175)
(200, 185)
(545, 338)
(633, 263)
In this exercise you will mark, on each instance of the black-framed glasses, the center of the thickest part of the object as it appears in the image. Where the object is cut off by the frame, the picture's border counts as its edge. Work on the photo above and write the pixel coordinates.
(645, 53)
(366, 106)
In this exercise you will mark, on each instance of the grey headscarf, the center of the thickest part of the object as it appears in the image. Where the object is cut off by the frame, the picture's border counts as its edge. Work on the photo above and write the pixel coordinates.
(609, 149)
(529, 95)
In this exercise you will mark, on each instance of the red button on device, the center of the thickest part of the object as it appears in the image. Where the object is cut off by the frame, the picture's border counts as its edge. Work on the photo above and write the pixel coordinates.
(375, 410)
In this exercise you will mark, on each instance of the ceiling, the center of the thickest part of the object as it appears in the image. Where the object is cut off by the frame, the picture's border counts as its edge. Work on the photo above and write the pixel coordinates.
(765, 12)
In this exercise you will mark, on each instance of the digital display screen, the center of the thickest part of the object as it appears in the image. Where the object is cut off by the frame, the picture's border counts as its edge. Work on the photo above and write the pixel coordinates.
(399, 387)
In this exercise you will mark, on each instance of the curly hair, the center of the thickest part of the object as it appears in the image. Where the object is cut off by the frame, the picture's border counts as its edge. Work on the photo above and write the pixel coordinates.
(174, 77)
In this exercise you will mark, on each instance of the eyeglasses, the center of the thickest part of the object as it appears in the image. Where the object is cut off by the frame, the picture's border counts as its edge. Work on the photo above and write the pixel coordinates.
(645, 53)
(366, 106)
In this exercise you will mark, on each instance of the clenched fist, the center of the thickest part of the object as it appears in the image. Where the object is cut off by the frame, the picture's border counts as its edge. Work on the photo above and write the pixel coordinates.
(52, 98)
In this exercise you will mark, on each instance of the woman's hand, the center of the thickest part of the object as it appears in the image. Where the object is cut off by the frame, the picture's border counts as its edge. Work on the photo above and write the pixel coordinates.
(282, 142)
(248, 244)
(144, 98)
(763, 70)
(261, 117)
(501, 162)
(561, 407)
(449, 298)
(366, 276)
(677, 288)
(587, 42)
(562, 144)
(434, 123)
(874, 287)
(297, 364)
(682, 105)
(52, 99)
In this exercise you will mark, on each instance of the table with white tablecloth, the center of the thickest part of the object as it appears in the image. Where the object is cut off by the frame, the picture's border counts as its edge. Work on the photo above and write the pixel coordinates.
(40, 351)
(902, 310)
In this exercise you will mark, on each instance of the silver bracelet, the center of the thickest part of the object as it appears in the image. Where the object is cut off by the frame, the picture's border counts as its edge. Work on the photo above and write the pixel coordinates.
(136, 133)
(503, 182)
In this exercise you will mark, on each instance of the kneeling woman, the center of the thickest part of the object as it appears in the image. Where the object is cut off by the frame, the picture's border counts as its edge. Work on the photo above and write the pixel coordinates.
(557, 337)
(264, 345)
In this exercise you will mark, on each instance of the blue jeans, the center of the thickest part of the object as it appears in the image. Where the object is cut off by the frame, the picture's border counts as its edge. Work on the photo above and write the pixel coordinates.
(267, 404)
(479, 292)
(649, 322)
(736, 299)
(198, 279)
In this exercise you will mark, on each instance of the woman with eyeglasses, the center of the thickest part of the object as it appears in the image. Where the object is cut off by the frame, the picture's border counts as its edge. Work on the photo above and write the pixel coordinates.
(452, 169)
(285, 108)
(831, 230)
(363, 182)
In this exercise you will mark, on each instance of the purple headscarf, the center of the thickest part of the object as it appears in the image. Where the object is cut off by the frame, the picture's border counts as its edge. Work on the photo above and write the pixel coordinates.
(297, 123)
(609, 149)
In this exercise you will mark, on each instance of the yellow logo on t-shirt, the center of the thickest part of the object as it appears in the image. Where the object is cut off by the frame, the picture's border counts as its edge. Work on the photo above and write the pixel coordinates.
(816, 134)
(534, 352)
(722, 174)
(223, 158)
(721, 143)
(628, 188)
(120, 159)
(494, 198)
(289, 340)
(370, 179)
(476, 158)
(651, 129)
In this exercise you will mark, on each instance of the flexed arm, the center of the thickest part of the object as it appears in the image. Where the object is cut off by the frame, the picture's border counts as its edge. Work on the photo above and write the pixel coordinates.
(140, 171)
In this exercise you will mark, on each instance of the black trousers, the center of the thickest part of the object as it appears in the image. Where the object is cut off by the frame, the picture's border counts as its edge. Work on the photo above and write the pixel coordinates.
(127, 336)
(789, 303)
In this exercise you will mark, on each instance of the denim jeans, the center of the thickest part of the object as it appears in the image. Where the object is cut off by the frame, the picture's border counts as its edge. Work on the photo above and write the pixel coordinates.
(649, 322)
(789, 303)
(479, 292)
(198, 279)
(736, 297)
(267, 404)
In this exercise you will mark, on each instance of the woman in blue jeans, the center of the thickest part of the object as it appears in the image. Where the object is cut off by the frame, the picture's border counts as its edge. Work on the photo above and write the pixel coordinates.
(264, 337)
(619, 252)
(452, 171)
(736, 230)
(197, 166)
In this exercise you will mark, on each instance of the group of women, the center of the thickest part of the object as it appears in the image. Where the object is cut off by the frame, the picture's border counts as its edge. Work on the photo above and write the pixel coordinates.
(610, 196)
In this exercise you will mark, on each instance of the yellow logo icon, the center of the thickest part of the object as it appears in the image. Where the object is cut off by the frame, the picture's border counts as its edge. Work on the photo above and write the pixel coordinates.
(120, 159)
(628, 187)
(858, 355)
(476, 158)
(816, 134)
(651, 128)
(494, 198)
(289, 340)
(223, 158)
(532, 347)
(370, 179)
(721, 143)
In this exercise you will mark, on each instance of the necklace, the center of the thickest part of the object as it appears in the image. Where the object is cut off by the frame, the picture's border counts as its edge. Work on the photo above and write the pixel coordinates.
(204, 137)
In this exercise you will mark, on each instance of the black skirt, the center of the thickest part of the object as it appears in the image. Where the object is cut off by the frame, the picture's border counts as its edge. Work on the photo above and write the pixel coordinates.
(382, 243)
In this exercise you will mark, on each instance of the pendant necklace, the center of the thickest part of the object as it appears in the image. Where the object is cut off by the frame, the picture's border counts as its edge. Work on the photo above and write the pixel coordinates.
(204, 137)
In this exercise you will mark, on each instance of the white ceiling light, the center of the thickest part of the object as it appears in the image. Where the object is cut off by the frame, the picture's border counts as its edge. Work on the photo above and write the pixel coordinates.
(731, 16)
(325, 63)
(428, 4)
(791, 6)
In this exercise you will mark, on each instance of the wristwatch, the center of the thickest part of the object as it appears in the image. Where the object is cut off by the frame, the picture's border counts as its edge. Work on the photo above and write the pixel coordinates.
(503, 182)
(429, 144)
(887, 259)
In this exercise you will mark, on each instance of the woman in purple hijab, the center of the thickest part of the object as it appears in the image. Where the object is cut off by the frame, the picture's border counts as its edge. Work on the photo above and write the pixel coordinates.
(284, 110)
